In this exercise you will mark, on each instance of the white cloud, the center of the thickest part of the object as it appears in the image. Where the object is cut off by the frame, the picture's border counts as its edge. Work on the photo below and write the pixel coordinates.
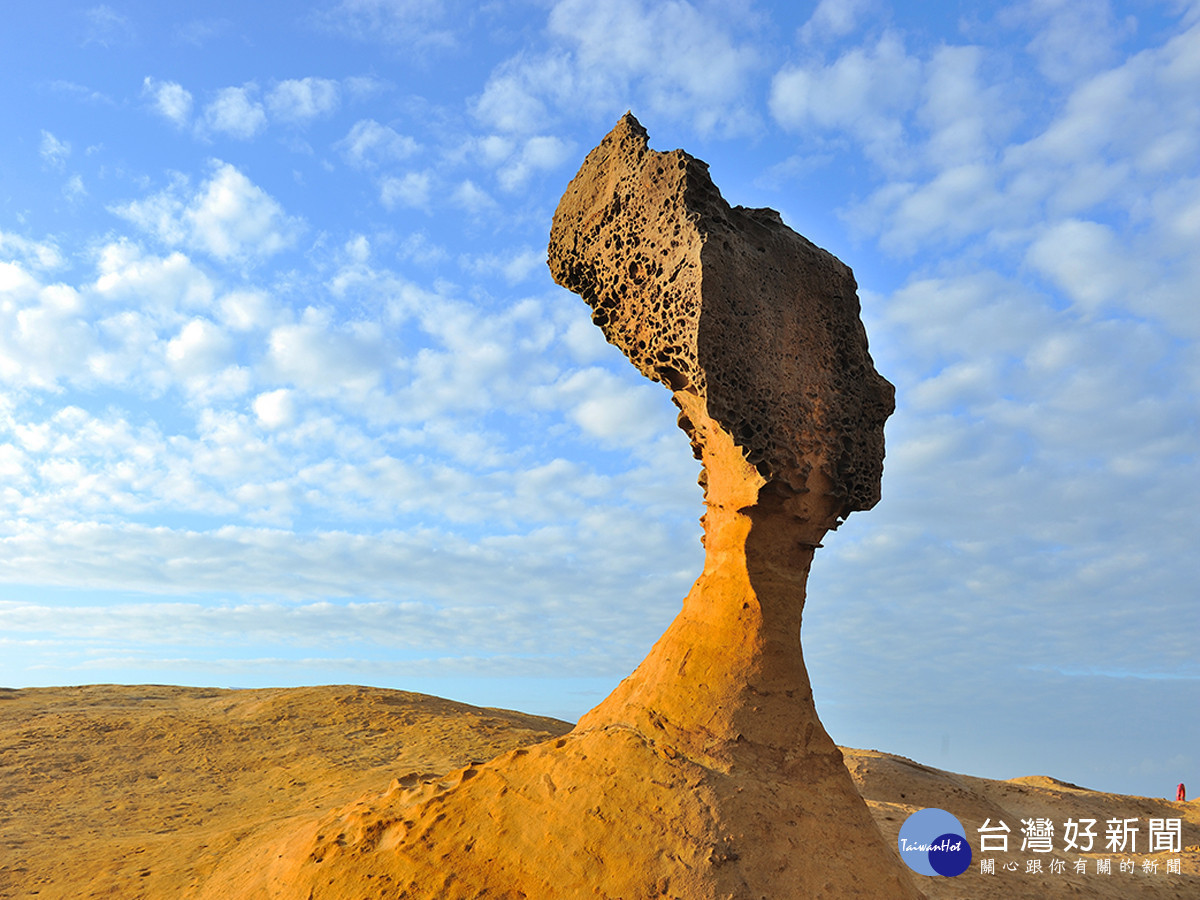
(248, 310)
(16, 282)
(73, 189)
(1117, 144)
(584, 341)
(233, 218)
(510, 100)
(160, 214)
(107, 28)
(114, 330)
(171, 100)
(200, 348)
(957, 203)
(228, 217)
(370, 144)
(235, 112)
(347, 362)
(301, 100)
(671, 60)
(465, 361)
(1062, 51)
(618, 411)
(835, 18)
(308, 595)
(219, 386)
(130, 352)
(469, 367)
(358, 250)
(539, 153)
(520, 266)
(1087, 262)
(411, 189)
(948, 316)
(83, 465)
(82, 93)
(418, 248)
(364, 87)
(198, 32)
(394, 298)
(495, 148)
(412, 24)
(964, 117)
(514, 267)
(1177, 212)
(54, 151)
(472, 197)
(152, 284)
(276, 409)
(40, 255)
(1094, 117)
(13, 464)
(957, 385)
(1137, 111)
(865, 92)
(683, 59)
(1000, 390)
(43, 340)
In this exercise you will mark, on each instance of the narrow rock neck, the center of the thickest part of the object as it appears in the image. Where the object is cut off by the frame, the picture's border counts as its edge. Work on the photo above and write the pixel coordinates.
(726, 682)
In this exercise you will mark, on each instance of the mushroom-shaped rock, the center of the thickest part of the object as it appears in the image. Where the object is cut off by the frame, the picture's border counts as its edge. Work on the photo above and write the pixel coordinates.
(706, 773)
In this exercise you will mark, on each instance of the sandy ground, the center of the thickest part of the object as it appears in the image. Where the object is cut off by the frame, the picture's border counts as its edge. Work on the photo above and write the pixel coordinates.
(896, 787)
(138, 792)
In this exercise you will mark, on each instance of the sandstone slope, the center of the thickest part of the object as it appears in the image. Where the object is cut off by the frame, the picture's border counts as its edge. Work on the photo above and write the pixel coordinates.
(145, 791)
(127, 792)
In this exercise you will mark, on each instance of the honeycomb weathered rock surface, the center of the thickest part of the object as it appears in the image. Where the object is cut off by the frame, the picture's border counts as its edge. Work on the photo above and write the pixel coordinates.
(729, 304)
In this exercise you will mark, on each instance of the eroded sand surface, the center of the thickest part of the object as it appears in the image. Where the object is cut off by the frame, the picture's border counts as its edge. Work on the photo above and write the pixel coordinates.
(128, 792)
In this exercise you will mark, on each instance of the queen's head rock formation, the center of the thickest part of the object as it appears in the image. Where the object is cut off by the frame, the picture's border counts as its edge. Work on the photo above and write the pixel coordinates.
(729, 306)
(706, 773)
(756, 332)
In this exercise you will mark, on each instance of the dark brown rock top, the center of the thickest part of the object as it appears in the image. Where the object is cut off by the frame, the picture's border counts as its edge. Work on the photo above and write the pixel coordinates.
(731, 305)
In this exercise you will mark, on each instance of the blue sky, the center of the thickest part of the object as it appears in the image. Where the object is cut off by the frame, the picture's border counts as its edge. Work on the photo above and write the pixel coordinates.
(287, 395)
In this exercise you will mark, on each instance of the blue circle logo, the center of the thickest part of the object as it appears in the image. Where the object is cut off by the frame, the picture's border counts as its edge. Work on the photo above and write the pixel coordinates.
(933, 842)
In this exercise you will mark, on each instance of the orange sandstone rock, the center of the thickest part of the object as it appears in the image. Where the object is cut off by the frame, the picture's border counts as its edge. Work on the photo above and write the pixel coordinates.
(706, 774)
(168, 792)
(756, 331)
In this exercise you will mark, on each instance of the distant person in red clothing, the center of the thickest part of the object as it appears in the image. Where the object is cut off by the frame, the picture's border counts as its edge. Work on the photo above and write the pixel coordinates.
(1181, 793)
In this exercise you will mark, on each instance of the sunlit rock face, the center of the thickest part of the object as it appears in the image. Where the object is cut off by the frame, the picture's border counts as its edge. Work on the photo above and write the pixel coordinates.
(756, 332)
(706, 773)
